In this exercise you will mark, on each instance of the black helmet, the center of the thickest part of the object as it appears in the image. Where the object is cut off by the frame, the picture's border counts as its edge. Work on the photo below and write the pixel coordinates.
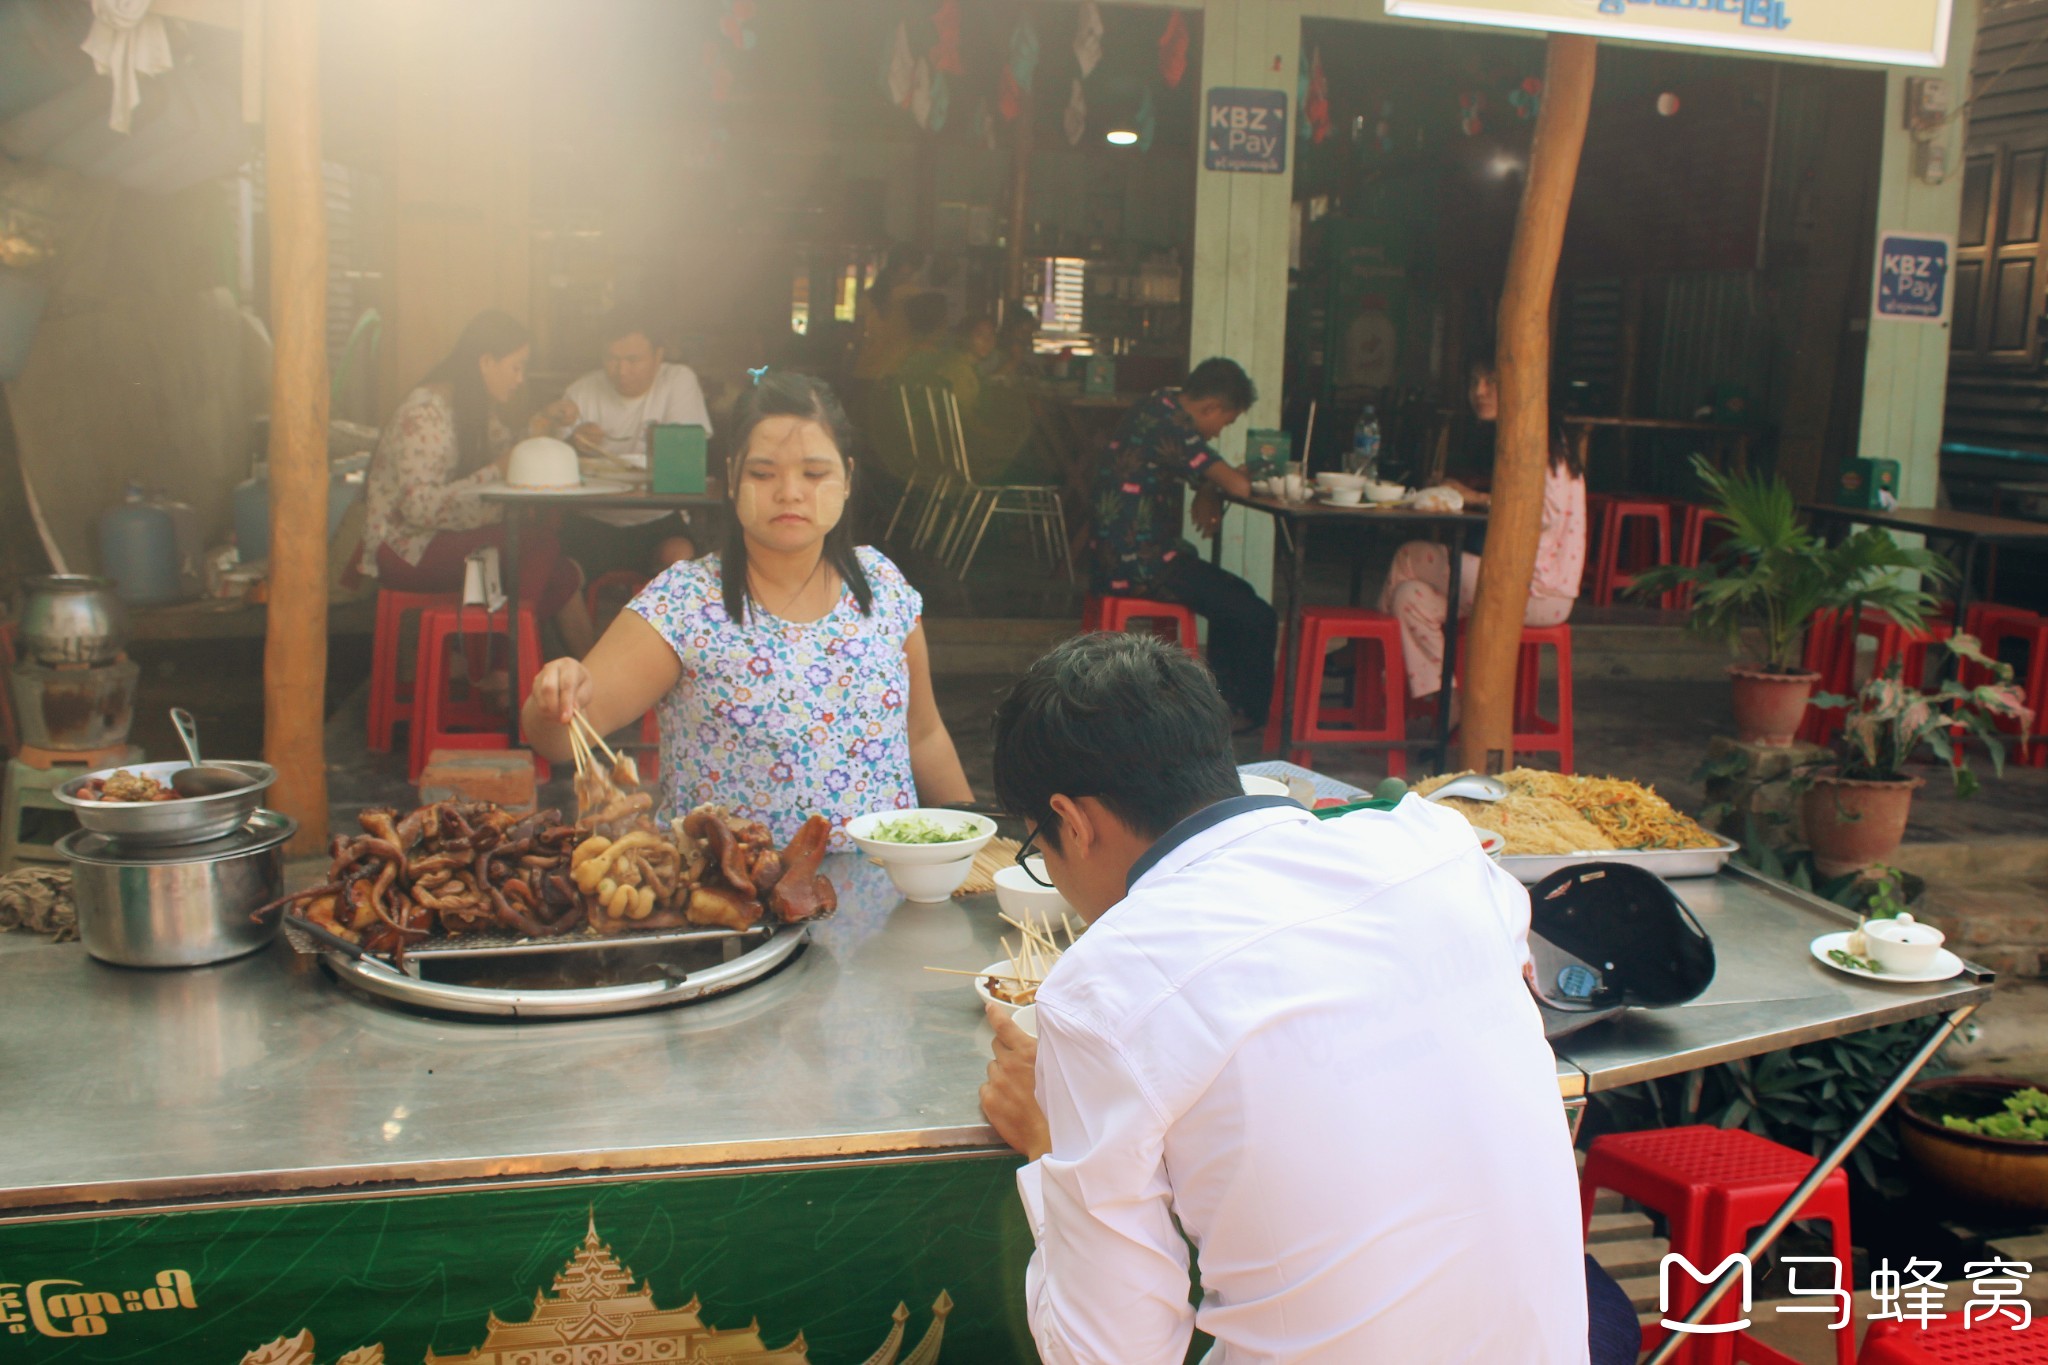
(1605, 936)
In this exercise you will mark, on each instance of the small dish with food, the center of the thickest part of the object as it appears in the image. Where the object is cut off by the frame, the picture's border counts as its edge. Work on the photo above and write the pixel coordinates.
(1026, 901)
(999, 984)
(928, 852)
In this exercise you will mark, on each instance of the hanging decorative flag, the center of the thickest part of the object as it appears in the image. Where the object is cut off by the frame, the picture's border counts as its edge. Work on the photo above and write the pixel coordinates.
(1009, 98)
(1173, 51)
(1147, 121)
(984, 127)
(945, 53)
(1075, 120)
(941, 101)
(1468, 114)
(921, 93)
(902, 69)
(1526, 97)
(1315, 110)
(1088, 38)
(738, 14)
(1023, 54)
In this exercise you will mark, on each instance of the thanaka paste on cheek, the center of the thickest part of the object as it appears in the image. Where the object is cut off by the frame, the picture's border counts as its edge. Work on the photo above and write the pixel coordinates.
(831, 502)
(748, 502)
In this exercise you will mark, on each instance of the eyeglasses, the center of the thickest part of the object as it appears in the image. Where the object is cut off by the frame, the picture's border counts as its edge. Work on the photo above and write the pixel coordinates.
(1029, 851)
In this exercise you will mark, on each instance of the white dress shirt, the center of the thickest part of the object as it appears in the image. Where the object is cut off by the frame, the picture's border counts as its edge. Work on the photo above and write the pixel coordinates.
(1308, 1045)
(674, 396)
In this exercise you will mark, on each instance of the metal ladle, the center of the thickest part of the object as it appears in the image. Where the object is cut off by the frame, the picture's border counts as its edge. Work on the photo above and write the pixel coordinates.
(199, 779)
(1472, 787)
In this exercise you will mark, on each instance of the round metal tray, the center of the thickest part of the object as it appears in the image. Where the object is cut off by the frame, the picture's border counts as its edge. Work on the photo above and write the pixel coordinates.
(379, 978)
(164, 824)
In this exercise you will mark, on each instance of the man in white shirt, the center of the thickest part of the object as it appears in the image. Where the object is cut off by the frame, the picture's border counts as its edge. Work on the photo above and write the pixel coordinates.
(609, 410)
(1307, 1045)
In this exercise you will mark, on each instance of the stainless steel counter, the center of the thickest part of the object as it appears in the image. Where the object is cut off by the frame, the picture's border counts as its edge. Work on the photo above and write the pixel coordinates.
(264, 1076)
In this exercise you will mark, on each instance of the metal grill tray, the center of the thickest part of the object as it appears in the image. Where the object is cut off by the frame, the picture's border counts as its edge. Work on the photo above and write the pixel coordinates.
(504, 945)
(1668, 863)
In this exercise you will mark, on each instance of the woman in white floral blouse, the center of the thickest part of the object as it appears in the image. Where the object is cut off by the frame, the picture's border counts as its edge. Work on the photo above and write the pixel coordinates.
(446, 442)
(790, 669)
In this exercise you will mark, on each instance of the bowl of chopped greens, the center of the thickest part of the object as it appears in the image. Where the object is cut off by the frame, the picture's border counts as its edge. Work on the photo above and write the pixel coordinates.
(928, 852)
(1983, 1139)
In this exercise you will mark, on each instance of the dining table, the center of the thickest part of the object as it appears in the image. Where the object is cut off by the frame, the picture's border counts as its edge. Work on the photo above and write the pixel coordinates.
(1363, 522)
(1965, 533)
(1736, 441)
(522, 503)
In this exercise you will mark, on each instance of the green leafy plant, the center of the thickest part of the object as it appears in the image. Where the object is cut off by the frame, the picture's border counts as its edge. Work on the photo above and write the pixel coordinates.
(1773, 574)
(2024, 1119)
(1888, 721)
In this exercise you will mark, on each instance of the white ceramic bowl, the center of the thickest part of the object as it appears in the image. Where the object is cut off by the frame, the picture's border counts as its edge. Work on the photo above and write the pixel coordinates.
(1903, 945)
(1384, 492)
(925, 873)
(1344, 497)
(1026, 1018)
(1263, 786)
(543, 462)
(981, 987)
(1331, 478)
(1026, 901)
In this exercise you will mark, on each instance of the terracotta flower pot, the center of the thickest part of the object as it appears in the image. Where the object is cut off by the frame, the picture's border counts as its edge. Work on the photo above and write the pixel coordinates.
(1769, 706)
(1851, 824)
(1999, 1172)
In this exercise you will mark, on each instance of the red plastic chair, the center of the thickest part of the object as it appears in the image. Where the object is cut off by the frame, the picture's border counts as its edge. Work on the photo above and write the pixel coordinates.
(1654, 518)
(436, 718)
(1536, 733)
(1694, 521)
(1120, 613)
(1831, 651)
(391, 701)
(1995, 626)
(1378, 709)
(1714, 1187)
(1946, 1341)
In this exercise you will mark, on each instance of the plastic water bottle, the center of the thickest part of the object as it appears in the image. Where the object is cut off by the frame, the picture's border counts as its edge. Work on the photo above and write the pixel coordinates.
(1365, 444)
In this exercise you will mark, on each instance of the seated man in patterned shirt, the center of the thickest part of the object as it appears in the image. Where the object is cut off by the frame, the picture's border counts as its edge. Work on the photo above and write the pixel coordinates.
(1163, 445)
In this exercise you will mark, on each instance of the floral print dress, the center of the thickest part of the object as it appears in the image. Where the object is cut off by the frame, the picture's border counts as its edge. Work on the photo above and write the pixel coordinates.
(412, 492)
(779, 720)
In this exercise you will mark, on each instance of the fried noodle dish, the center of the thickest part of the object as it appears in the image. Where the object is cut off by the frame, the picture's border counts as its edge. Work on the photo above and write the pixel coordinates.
(1546, 814)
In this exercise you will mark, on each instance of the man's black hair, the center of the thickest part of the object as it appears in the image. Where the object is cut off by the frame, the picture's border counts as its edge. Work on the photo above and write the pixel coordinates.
(1123, 717)
(626, 321)
(1219, 377)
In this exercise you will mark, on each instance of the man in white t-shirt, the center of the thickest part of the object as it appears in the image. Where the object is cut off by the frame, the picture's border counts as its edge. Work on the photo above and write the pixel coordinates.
(609, 410)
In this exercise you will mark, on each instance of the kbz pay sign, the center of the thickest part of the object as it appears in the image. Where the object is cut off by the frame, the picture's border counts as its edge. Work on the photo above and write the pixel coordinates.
(1246, 131)
(1913, 277)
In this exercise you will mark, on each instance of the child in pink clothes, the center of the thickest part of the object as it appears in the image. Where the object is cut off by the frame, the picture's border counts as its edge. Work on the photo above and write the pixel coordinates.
(1417, 590)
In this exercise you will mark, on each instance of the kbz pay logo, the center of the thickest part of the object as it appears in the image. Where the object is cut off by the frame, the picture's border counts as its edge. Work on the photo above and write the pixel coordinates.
(1997, 1286)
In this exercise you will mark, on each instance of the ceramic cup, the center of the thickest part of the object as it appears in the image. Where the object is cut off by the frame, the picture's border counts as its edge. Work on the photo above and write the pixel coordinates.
(1296, 488)
(1903, 945)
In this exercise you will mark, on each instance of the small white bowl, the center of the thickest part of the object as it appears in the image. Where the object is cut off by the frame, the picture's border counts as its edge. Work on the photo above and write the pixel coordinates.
(1263, 786)
(1344, 497)
(1026, 901)
(1903, 945)
(981, 987)
(1330, 479)
(1026, 1018)
(924, 873)
(1384, 492)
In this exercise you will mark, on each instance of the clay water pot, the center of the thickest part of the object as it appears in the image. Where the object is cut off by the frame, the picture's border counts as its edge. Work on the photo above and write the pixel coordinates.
(1769, 706)
(1851, 824)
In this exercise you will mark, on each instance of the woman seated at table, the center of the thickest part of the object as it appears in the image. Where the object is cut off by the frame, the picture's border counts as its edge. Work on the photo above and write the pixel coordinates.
(447, 442)
(790, 669)
(1418, 584)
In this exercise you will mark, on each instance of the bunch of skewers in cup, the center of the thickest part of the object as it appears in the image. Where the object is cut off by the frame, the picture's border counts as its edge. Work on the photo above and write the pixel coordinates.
(1015, 981)
(454, 869)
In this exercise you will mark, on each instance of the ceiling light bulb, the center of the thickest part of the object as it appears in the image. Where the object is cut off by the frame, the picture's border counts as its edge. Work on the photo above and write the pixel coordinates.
(1121, 137)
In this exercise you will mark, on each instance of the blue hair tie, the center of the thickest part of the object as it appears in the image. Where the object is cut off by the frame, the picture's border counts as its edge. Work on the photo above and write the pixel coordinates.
(756, 374)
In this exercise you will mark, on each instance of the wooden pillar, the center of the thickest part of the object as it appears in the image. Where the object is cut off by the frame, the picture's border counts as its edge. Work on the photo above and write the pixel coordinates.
(295, 649)
(1523, 448)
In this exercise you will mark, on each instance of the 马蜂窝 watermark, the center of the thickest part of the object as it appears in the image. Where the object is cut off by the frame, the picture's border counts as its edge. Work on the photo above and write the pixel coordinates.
(1914, 1294)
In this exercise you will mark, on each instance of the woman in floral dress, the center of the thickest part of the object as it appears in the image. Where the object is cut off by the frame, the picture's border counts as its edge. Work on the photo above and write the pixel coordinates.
(790, 670)
(446, 442)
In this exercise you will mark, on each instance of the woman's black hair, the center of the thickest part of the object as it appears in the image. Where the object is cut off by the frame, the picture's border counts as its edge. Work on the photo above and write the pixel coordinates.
(784, 393)
(1120, 716)
(490, 333)
(1563, 450)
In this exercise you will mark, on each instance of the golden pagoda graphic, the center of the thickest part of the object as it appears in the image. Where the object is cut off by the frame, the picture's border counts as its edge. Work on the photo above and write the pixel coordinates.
(596, 1316)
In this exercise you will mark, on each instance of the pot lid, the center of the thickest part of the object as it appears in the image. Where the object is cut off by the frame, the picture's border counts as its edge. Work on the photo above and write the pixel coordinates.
(266, 829)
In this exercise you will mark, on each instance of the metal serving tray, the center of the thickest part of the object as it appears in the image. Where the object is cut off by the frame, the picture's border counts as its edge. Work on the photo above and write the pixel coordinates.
(1668, 863)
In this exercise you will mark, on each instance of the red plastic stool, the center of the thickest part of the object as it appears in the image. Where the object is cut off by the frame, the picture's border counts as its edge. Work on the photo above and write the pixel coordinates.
(1616, 515)
(1995, 625)
(1714, 1186)
(1831, 648)
(1596, 522)
(1118, 613)
(1534, 732)
(434, 715)
(1693, 522)
(1946, 1341)
(390, 701)
(1378, 710)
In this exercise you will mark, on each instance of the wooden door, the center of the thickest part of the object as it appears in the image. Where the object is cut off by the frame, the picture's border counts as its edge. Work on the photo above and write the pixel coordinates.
(2000, 282)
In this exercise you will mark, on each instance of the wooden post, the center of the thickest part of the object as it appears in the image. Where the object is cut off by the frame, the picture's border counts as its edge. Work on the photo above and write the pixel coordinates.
(1522, 449)
(295, 648)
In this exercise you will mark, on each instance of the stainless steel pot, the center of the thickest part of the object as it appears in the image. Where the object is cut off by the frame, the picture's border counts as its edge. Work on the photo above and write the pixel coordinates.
(132, 826)
(178, 907)
(71, 619)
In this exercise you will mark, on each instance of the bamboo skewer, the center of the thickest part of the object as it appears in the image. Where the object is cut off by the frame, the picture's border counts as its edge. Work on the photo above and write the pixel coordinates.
(592, 736)
(985, 976)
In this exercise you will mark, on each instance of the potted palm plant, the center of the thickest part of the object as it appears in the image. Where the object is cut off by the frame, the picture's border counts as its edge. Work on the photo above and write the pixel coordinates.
(1769, 577)
(1855, 805)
